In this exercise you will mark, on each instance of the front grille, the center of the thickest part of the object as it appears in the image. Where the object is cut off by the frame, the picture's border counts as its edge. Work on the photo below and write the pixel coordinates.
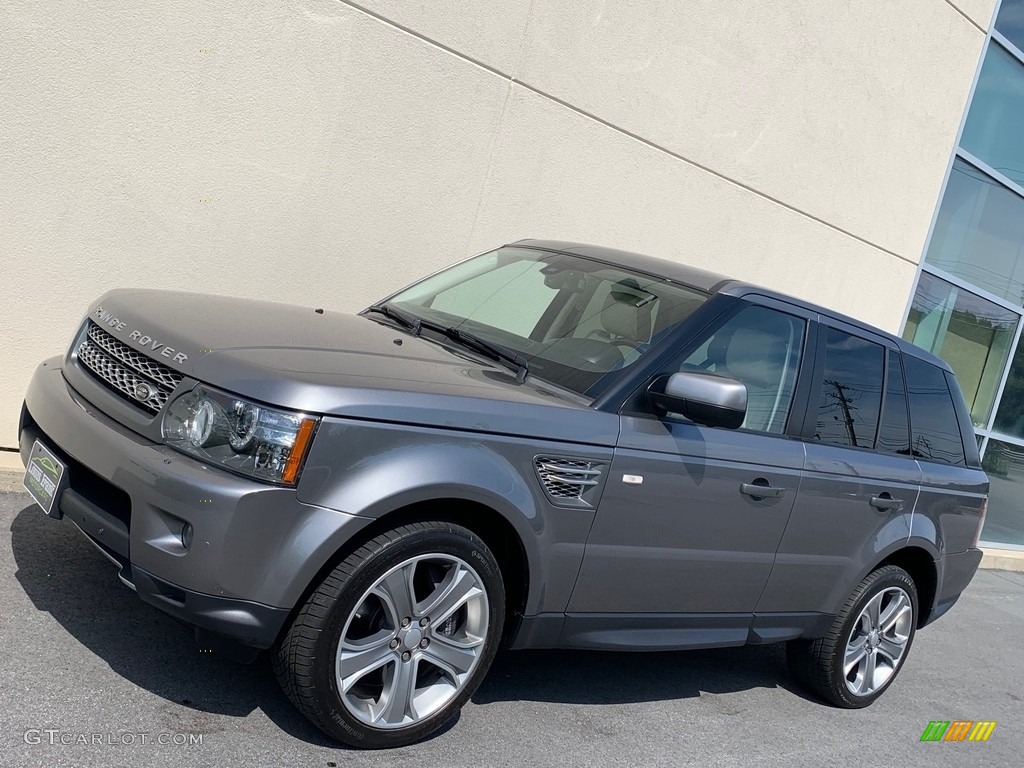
(123, 369)
(567, 479)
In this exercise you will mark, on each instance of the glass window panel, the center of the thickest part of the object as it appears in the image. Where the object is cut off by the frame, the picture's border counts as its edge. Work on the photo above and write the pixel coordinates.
(512, 297)
(851, 391)
(933, 421)
(971, 334)
(759, 347)
(1010, 416)
(995, 121)
(1011, 22)
(894, 432)
(1004, 464)
(979, 233)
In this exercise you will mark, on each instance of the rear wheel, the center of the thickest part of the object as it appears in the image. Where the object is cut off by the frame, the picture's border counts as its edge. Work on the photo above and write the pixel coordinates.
(867, 644)
(392, 644)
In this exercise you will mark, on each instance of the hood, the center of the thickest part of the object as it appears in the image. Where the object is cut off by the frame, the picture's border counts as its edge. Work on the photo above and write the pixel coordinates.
(335, 363)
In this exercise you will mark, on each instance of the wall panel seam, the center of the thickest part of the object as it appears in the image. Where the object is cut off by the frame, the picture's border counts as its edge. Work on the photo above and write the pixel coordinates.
(956, 8)
(618, 129)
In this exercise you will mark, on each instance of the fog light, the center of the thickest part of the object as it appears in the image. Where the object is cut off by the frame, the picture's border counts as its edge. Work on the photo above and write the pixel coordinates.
(186, 536)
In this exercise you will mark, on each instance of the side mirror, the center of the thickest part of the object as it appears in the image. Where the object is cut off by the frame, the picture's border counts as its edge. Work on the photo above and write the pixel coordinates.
(704, 398)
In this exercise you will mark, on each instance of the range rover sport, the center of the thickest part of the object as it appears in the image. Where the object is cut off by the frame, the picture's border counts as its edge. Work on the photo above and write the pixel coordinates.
(550, 445)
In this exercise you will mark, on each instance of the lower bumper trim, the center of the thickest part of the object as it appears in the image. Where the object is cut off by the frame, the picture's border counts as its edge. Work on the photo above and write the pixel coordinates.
(250, 624)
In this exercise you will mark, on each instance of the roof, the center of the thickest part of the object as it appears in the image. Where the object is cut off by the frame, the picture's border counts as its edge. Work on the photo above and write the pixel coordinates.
(713, 282)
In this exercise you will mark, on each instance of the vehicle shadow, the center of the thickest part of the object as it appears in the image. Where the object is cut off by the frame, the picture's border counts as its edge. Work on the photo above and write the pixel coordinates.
(608, 677)
(63, 575)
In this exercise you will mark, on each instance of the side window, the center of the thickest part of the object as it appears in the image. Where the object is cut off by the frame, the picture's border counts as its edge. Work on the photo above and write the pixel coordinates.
(894, 432)
(933, 419)
(761, 348)
(851, 391)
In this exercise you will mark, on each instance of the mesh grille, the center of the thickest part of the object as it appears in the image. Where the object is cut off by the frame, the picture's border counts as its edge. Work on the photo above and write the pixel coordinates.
(151, 369)
(566, 479)
(123, 369)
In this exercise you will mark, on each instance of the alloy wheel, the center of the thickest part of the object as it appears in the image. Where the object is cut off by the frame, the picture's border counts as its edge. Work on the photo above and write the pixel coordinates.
(412, 642)
(878, 641)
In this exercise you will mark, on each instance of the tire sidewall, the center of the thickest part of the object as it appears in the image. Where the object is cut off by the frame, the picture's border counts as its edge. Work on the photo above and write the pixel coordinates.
(449, 540)
(891, 576)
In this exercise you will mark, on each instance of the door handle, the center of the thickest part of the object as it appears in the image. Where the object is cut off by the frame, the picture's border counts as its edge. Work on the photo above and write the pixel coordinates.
(758, 491)
(885, 501)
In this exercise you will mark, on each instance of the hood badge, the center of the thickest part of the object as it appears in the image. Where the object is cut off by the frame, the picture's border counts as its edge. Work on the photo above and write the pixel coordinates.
(102, 317)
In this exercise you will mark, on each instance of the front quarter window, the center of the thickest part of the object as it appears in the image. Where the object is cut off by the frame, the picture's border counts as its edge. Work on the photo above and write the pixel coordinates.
(577, 321)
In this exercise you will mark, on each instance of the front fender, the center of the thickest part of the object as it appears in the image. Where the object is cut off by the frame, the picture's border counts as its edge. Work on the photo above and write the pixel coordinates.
(370, 469)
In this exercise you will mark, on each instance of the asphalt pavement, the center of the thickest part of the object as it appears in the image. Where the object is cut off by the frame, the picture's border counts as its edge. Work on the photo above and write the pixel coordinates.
(91, 676)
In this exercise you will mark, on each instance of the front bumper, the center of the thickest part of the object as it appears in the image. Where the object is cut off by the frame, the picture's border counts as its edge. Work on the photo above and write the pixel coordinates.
(254, 547)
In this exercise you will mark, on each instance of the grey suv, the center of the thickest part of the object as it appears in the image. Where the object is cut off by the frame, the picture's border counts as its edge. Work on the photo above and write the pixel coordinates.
(548, 445)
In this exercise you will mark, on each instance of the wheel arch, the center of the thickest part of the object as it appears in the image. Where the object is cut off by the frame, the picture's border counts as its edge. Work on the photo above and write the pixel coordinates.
(494, 528)
(921, 567)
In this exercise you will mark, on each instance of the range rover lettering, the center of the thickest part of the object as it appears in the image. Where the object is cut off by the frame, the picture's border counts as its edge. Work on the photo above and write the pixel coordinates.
(550, 445)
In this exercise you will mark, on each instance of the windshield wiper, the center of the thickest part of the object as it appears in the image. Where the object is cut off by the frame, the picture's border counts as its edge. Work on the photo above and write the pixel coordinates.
(413, 324)
(489, 348)
(484, 347)
(465, 338)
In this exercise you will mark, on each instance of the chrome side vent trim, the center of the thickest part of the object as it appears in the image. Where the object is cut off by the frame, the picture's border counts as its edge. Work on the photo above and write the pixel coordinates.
(566, 480)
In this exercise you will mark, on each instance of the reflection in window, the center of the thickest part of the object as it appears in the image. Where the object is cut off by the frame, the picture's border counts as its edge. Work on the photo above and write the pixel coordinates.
(1011, 22)
(979, 233)
(1004, 464)
(894, 431)
(936, 430)
(971, 334)
(851, 393)
(995, 121)
(1010, 416)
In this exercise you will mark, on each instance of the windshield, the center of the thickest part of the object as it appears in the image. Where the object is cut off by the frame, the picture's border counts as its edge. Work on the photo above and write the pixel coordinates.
(578, 323)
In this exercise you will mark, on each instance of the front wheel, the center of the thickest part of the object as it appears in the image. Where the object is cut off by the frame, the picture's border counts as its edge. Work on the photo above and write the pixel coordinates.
(395, 640)
(867, 644)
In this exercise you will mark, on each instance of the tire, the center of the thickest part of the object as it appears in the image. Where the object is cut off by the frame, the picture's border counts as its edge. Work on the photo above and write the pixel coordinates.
(854, 663)
(394, 682)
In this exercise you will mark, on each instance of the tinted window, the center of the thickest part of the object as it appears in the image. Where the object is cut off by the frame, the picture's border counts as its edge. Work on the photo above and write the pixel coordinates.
(933, 420)
(894, 431)
(851, 391)
(760, 348)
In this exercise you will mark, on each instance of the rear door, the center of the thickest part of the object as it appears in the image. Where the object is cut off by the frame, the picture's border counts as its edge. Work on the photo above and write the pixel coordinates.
(860, 482)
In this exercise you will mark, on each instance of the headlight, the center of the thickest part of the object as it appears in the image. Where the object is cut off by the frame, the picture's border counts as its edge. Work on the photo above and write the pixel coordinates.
(244, 437)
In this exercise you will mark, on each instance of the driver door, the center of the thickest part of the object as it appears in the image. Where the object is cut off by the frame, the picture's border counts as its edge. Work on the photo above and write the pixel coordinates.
(684, 540)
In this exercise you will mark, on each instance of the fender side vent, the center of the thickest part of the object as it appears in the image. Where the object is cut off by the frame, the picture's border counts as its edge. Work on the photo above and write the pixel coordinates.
(567, 481)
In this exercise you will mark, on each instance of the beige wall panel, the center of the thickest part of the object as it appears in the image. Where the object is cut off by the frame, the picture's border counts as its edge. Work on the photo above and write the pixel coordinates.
(488, 31)
(847, 111)
(560, 175)
(339, 157)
